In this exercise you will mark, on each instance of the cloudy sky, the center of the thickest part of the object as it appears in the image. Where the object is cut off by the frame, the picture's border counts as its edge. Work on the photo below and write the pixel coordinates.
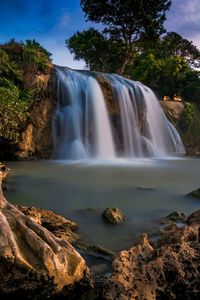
(52, 21)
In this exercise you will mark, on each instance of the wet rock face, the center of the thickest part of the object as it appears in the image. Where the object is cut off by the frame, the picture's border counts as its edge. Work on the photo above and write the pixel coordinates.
(168, 270)
(113, 216)
(34, 263)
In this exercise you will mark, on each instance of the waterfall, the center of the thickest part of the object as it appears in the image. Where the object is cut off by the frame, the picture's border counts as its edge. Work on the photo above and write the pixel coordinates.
(82, 127)
(145, 129)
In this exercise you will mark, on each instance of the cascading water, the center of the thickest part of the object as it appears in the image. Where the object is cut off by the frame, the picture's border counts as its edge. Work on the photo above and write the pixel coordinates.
(145, 129)
(81, 125)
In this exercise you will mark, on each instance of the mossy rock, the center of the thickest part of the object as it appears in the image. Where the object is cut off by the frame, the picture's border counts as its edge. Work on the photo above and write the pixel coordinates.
(113, 216)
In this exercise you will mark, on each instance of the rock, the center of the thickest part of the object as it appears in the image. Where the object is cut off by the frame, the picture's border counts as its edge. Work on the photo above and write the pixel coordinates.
(5, 171)
(173, 110)
(33, 262)
(194, 218)
(113, 216)
(36, 139)
(195, 193)
(168, 270)
(56, 224)
(177, 217)
(102, 250)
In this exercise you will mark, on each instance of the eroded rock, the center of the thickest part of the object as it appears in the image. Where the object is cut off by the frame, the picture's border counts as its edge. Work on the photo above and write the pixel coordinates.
(33, 262)
(175, 216)
(168, 270)
(56, 224)
(194, 218)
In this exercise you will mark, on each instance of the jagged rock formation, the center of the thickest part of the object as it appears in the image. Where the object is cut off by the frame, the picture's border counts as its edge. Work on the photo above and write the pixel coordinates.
(168, 270)
(56, 224)
(34, 264)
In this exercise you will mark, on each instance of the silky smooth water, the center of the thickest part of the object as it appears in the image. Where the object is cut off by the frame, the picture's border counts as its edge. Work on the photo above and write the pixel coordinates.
(144, 189)
(82, 128)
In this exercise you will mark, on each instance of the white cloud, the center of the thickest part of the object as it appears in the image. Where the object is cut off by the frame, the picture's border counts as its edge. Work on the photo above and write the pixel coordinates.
(191, 11)
(64, 21)
(184, 18)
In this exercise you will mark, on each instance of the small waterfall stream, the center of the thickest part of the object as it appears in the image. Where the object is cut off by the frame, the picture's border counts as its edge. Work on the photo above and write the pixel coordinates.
(82, 128)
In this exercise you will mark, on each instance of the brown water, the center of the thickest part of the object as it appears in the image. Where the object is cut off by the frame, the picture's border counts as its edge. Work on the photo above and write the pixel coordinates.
(145, 190)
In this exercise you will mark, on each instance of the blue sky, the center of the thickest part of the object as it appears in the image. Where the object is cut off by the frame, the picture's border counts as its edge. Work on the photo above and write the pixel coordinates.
(52, 21)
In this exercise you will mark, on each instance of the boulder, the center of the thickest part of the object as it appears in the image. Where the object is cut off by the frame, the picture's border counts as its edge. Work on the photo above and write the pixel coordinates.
(167, 270)
(175, 216)
(35, 264)
(113, 216)
(194, 218)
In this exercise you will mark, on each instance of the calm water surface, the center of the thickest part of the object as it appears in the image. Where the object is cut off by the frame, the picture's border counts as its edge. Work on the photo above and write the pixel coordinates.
(144, 189)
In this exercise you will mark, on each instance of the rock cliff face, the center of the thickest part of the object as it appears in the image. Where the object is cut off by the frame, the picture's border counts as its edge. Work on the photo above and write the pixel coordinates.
(36, 141)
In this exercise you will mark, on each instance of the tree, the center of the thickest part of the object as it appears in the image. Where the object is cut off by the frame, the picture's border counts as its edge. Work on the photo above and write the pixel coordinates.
(174, 44)
(128, 21)
(98, 52)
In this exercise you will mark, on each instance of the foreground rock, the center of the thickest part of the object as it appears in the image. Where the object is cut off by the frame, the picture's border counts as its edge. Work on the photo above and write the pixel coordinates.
(175, 216)
(35, 264)
(113, 216)
(194, 218)
(168, 270)
(60, 227)
(4, 172)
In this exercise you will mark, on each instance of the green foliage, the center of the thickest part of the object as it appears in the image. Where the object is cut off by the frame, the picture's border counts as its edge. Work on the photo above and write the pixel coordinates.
(12, 115)
(187, 116)
(98, 52)
(191, 86)
(174, 45)
(13, 111)
(33, 44)
(34, 53)
(128, 20)
(125, 23)
(189, 125)
(19, 62)
(9, 93)
(165, 66)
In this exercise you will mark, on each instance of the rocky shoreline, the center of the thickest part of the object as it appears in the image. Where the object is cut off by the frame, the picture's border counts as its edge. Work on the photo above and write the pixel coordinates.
(43, 257)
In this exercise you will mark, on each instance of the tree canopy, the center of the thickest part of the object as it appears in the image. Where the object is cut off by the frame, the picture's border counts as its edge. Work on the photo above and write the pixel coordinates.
(125, 22)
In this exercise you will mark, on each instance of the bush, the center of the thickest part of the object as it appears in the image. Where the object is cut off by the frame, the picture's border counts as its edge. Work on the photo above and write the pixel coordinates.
(187, 117)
